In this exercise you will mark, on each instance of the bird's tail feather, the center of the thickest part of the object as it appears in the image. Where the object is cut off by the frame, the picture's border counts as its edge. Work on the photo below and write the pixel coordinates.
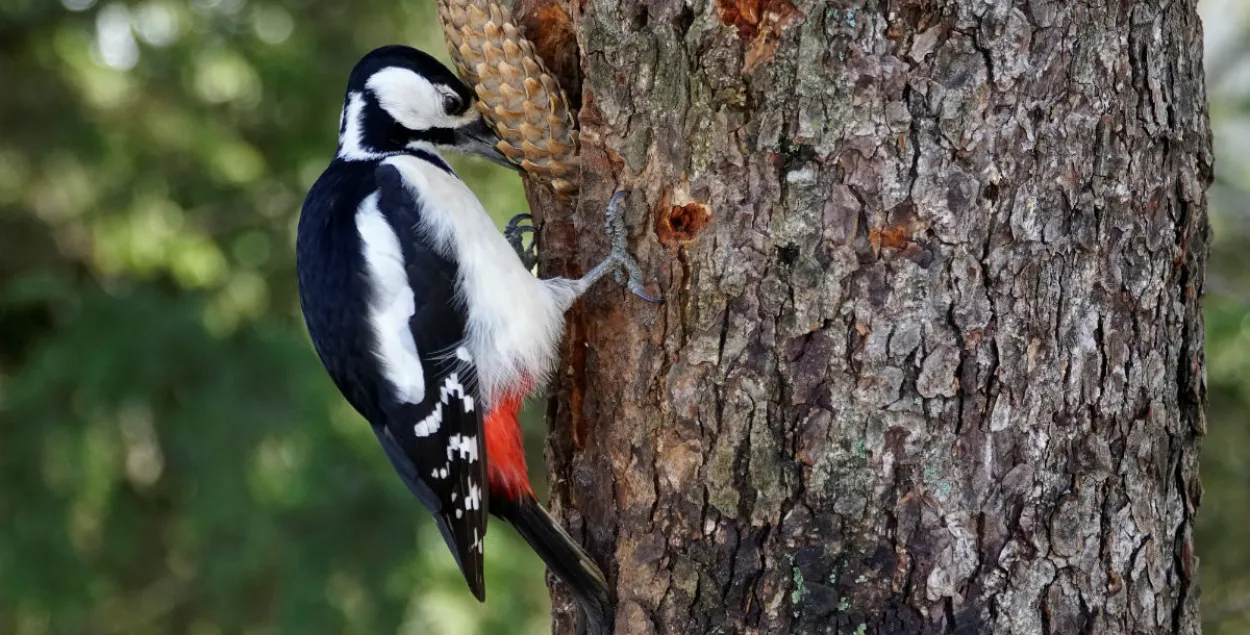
(566, 559)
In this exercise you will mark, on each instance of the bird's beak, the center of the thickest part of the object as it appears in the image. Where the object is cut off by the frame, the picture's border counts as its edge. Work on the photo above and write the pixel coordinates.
(478, 138)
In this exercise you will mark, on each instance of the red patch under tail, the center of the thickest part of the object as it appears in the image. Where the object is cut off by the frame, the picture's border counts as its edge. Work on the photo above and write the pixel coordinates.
(505, 452)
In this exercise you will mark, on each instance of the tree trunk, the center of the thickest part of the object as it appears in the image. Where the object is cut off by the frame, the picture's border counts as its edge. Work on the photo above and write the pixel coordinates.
(930, 358)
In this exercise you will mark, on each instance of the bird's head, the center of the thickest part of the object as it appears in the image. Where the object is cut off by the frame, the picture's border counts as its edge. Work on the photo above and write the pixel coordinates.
(399, 98)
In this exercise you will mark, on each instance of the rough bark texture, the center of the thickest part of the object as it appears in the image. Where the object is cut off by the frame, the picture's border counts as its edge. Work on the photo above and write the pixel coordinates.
(931, 354)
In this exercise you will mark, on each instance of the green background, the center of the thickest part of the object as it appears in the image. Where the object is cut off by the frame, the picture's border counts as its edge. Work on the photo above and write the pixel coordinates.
(173, 459)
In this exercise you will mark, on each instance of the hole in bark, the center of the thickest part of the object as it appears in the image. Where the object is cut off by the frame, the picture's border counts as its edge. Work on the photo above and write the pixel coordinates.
(794, 155)
(990, 192)
(640, 18)
(748, 16)
(740, 14)
(788, 254)
(922, 256)
(685, 18)
(682, 223)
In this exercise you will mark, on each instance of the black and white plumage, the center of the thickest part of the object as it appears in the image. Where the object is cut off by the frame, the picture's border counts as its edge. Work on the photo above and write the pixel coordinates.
(382, 312)
(421, 311)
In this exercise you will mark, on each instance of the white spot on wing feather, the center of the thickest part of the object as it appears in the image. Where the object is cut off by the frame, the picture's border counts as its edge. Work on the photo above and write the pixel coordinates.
(465, 446)
(430, 424)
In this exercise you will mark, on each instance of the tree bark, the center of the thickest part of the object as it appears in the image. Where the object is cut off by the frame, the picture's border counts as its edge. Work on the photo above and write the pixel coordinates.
(930, 358)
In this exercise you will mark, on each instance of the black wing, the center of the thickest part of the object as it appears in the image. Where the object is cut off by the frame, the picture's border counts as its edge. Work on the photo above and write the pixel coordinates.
(437, 446)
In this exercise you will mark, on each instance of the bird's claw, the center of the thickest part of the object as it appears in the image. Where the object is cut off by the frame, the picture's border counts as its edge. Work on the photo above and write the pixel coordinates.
(515, 233)
(614, 224)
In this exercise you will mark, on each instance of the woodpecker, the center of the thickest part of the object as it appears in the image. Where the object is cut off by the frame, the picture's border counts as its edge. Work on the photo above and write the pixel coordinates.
(429, 320)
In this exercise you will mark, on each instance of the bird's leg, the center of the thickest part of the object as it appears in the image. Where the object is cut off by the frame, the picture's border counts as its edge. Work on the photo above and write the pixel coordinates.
(515, 233)
(619, 259)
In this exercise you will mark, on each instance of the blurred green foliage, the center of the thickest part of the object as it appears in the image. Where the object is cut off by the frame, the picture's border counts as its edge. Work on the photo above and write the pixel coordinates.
(1223, 533)
(174, 460)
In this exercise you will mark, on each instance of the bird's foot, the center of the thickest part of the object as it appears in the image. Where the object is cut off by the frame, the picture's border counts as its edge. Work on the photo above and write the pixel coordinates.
(515, 233)
(622, 263)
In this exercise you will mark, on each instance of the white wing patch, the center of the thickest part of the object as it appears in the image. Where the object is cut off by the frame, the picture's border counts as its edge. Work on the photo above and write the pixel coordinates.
(391, 303)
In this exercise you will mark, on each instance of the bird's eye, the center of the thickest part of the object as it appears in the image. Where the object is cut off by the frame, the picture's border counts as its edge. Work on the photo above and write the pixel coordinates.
(451, 103)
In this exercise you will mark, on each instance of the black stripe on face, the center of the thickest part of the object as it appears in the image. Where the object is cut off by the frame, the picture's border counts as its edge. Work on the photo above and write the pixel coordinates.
(435, 136)
(400, 136)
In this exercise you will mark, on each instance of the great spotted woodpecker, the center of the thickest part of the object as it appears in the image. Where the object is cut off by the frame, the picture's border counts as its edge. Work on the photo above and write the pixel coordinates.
(428, 320)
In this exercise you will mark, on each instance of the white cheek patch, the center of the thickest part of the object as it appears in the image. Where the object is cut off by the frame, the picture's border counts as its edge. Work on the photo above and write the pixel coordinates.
(412, 100)
(391, 303)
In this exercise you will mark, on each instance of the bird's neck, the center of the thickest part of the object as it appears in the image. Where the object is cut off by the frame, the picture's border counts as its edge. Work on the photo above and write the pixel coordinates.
(366, 132)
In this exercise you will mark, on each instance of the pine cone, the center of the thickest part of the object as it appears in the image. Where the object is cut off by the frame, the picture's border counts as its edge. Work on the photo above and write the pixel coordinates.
(517, 95)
